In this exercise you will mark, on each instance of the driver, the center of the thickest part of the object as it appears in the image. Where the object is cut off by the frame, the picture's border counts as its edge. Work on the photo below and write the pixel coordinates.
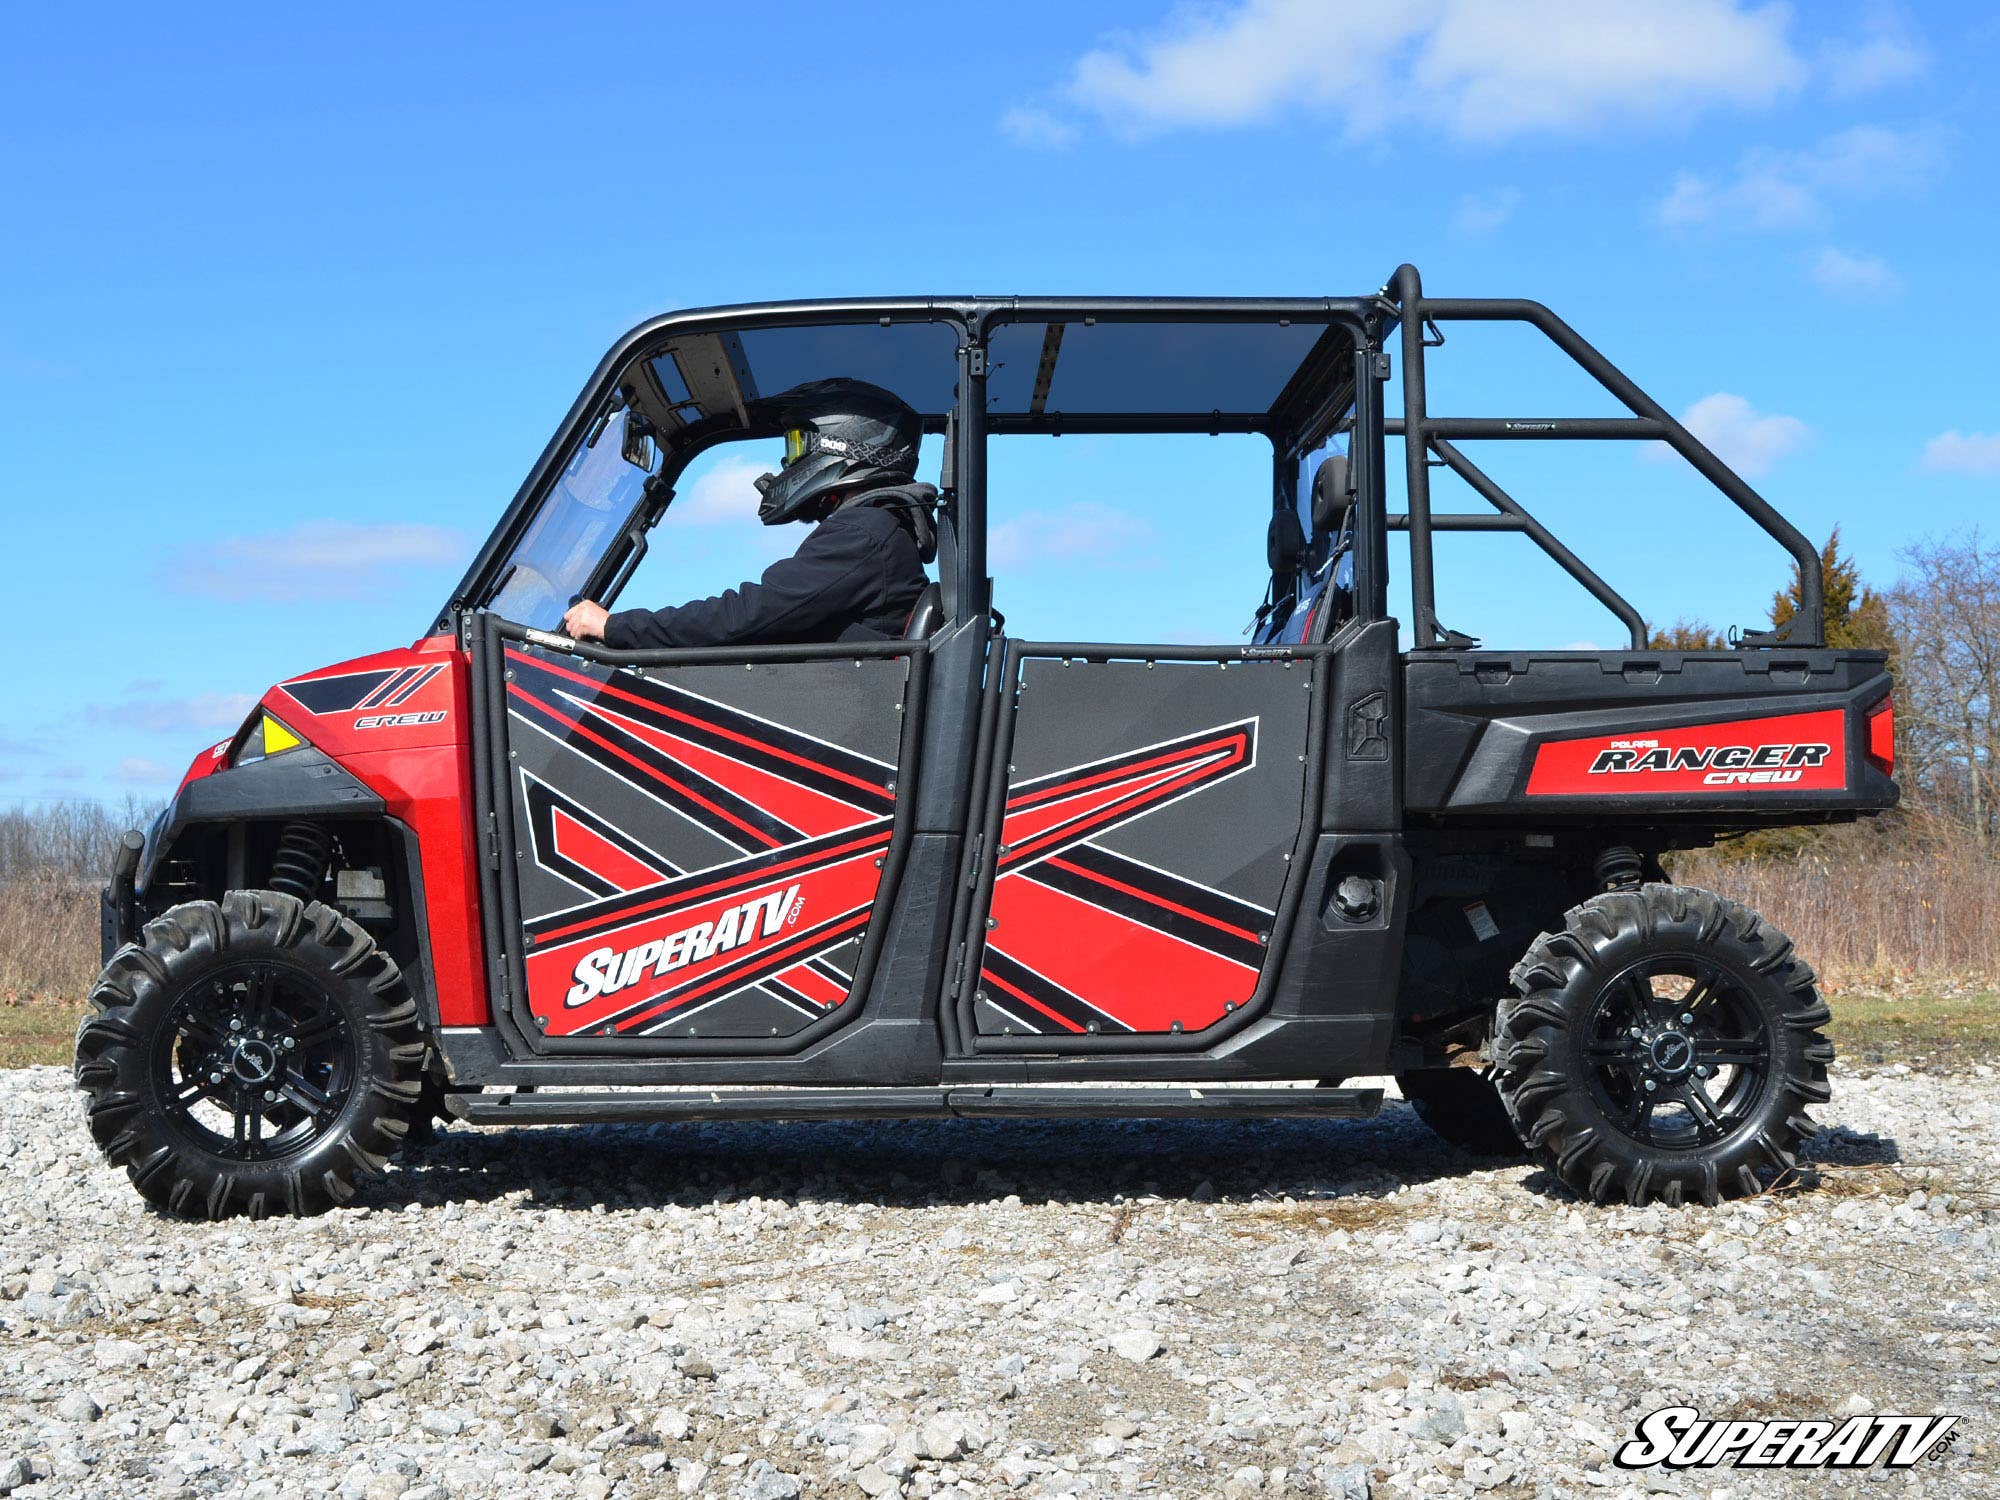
(850, 455)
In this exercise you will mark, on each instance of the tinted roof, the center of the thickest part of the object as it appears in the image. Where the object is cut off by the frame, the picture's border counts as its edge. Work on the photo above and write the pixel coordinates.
(1088, 367)
(1163, 367)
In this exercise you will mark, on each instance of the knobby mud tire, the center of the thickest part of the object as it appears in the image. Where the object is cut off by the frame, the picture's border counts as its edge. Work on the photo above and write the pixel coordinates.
(126, 1048)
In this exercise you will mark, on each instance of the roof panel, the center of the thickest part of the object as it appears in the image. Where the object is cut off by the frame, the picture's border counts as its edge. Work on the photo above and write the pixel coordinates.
(1168, 367)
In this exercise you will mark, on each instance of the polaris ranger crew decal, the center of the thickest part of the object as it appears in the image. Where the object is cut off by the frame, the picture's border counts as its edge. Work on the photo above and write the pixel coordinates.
(1792, 752)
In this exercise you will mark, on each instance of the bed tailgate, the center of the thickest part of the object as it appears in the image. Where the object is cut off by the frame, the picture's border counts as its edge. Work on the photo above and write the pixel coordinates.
(1711, 735)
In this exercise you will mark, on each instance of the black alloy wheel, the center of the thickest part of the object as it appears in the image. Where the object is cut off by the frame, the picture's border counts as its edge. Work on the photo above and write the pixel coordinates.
(256, 1063)
(1678, 1055)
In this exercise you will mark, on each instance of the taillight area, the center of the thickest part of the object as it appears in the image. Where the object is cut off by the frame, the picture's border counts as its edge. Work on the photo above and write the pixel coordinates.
(1882, 736)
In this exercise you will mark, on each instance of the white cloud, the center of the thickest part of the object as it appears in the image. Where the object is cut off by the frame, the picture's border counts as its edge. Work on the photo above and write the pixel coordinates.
(1480, 69)
(1479, 214)
(725, 495)
(170, 715)
(1086, 529)
(313, 560)
(1883, 54)
(1749, 441)
(1854, 275)
(137, 771)
(723, 502)
(1031, 125)
(1958, 452)
(1786, 189)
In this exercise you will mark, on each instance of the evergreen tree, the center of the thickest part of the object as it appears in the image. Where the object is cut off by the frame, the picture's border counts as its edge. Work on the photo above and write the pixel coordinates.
(1856, 616)
(1686, 635)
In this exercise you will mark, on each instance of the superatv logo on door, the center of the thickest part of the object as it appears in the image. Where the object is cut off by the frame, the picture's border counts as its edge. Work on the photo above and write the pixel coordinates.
(606, 971)
(1789, 752)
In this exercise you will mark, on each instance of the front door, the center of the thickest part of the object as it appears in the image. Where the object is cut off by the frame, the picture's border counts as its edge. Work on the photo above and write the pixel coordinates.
(1144, 813)
(694, 849)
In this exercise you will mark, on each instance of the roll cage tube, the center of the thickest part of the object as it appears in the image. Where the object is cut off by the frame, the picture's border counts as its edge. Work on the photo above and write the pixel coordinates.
(1296, 416)
(1424, 435)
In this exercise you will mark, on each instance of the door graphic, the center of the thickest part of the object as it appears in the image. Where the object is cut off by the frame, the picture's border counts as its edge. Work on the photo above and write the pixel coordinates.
(1133, 892)
(688, 865)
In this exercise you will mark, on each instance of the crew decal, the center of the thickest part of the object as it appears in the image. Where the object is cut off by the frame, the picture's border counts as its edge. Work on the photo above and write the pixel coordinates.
(1788, 752)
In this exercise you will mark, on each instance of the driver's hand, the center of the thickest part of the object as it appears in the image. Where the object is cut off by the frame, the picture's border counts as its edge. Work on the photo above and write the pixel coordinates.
(585, 621)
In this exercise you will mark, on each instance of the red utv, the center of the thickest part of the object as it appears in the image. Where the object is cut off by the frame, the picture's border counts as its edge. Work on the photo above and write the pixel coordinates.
(506, 877)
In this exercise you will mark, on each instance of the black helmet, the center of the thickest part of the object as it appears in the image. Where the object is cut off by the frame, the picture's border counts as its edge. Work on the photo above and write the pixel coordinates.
(839, 434)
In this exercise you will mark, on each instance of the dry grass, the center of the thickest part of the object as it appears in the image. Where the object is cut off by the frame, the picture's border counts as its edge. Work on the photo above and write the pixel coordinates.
(48, 936)
(38, 1032)
(1870, 915)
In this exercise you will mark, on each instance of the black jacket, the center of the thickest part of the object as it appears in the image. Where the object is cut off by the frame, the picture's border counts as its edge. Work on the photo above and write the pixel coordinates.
(855, 578)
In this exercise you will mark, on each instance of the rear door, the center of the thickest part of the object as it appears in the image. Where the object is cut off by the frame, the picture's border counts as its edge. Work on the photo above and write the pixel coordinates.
(1143, 812)
(694, 845)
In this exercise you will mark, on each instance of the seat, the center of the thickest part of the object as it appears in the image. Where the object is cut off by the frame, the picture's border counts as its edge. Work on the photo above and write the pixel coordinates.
(926, 614)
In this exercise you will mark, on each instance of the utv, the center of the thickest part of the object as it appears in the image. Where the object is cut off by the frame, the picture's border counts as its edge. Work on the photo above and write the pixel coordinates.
(505, 877)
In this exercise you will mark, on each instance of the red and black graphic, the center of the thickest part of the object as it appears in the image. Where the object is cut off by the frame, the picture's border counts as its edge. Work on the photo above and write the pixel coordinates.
(583, 848)
(1789, 752)
(1086, 940)
(382, 688)
(655, 944)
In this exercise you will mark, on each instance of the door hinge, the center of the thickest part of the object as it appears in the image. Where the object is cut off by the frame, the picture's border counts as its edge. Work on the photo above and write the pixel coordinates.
(974, 865)
(492, 841)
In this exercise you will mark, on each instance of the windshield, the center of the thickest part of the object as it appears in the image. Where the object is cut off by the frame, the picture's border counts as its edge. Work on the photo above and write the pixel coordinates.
(591, 502)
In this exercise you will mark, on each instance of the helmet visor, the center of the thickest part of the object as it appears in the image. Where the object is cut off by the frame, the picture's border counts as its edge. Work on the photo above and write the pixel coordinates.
(795, 444)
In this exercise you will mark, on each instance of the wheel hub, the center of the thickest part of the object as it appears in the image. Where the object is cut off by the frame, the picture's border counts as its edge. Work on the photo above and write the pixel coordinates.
(1669, 1054)
(253, 1060)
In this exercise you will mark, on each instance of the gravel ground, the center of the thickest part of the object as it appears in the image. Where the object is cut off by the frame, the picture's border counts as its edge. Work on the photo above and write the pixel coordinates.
(982, 1308)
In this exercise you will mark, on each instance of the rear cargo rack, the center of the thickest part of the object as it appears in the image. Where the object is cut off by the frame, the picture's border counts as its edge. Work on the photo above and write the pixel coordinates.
(1425, 435)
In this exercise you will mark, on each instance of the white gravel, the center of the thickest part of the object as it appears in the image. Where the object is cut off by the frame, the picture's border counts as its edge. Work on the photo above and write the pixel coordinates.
(1344, 1309)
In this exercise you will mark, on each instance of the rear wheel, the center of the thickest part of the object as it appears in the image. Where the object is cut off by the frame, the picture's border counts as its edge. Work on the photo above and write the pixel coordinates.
(1664, 1044)
(1462, 1106)
(251, 1055)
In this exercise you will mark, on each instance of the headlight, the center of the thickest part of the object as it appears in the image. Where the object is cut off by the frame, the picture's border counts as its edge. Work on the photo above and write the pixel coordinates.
(265, 737)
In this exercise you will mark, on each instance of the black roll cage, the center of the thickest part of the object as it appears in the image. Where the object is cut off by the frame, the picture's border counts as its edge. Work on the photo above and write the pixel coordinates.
(1294, 430)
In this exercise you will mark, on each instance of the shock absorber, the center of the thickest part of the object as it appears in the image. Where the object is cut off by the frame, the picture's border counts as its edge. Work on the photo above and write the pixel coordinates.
(299, 867)
(1620, 868)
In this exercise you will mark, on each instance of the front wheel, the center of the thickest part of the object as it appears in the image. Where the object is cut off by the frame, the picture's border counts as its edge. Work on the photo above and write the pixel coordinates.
(1664, 1044)
(251, 1055)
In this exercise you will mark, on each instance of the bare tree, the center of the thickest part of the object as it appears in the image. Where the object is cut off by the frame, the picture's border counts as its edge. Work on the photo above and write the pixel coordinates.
(1946, 617)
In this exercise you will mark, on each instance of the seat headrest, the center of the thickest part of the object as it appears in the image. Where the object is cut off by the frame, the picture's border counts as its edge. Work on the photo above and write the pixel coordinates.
(1332, 499)
(1285, 542)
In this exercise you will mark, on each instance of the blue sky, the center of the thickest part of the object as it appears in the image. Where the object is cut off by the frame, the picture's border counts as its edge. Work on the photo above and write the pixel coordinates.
(293, 299)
